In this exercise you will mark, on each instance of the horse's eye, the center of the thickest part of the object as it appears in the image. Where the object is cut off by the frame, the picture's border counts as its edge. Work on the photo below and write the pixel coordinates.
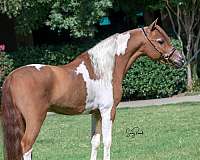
(160, 41)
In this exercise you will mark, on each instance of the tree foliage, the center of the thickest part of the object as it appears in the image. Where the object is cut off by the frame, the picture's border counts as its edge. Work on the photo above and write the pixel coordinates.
(186, 25)
(79, 17)
(145, 79)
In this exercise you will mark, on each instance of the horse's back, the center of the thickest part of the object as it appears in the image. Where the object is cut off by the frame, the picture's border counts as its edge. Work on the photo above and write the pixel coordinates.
(31, 87)
(48, 86)
(30, 78)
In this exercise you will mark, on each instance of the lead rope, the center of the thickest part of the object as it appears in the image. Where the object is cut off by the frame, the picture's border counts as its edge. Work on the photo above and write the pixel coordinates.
(191, 59)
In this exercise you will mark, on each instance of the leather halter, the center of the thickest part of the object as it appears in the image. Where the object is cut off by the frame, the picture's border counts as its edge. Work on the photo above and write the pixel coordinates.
(163, 56)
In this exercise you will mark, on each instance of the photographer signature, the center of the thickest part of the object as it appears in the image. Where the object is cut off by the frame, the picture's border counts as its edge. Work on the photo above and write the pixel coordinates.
(132, 132)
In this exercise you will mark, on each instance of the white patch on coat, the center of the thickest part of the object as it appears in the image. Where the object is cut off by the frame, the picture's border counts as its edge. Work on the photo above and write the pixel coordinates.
(122, 43)
(99, 92)
(102, 56)
(27, 155)
(37, 66)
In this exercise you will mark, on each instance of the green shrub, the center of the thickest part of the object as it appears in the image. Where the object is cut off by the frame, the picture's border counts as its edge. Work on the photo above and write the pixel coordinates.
(54, 55)
(149, 79)
(177, 43)
(196, 86)
(145, 79)
(6, 66)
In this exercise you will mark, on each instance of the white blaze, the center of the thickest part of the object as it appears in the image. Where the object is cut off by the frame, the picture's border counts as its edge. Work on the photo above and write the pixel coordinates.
(37, 66)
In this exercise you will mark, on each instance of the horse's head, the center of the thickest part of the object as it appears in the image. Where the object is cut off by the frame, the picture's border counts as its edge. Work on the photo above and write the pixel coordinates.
(157, 46)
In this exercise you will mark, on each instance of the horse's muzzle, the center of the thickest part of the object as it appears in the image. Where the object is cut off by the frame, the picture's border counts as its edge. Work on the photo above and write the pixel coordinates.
(178, 59)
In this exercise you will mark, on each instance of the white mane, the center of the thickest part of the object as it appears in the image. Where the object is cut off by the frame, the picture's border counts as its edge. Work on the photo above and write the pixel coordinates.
(103, 54)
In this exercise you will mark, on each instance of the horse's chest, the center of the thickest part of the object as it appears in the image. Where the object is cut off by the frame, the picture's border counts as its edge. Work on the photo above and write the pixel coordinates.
(99, 94)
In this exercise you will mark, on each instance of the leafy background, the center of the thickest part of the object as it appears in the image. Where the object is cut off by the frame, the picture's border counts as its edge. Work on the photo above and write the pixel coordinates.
(145, 79)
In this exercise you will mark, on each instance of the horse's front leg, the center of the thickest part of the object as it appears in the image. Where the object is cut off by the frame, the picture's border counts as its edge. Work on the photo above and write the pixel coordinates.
(106, 132)
(95, 134)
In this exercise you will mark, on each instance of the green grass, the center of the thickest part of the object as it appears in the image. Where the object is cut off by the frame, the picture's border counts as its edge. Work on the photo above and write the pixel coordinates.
(171, 132)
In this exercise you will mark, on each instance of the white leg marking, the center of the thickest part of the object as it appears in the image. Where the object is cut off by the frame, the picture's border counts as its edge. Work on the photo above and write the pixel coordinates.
(27, 155)
(106, 132)
(95, 144)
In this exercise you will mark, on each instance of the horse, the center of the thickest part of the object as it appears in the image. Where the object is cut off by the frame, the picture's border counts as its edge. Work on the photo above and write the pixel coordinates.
(90, 84)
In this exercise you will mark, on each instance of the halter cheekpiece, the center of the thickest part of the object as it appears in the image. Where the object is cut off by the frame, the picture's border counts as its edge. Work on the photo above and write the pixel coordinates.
(163, 56)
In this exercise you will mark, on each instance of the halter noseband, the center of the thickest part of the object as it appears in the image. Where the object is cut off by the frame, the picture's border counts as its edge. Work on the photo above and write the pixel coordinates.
(163, 57)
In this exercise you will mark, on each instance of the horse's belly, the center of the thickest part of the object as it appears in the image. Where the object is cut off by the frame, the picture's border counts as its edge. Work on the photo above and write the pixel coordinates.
(69, 95)
(67, 110)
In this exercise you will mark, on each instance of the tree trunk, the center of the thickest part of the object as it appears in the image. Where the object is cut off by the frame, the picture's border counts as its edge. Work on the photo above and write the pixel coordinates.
(196, 52)
(189, 69)
(189, 77)
(187, 29)
(194, 73)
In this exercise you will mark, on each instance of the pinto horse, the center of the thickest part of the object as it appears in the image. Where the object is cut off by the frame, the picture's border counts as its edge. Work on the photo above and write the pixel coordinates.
(91, 84)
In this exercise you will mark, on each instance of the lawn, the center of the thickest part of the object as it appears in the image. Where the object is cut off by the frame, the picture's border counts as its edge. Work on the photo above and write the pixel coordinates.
(170, 132)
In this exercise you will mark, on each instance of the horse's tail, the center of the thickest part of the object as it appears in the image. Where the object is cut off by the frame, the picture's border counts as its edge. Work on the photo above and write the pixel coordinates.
(12, 124)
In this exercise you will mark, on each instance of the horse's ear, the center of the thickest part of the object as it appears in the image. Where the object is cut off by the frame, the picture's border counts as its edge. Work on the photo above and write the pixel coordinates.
(153, 25)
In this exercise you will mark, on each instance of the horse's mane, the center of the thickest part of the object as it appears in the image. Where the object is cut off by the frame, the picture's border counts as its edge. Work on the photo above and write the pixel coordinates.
(103, 54)
(102, 57)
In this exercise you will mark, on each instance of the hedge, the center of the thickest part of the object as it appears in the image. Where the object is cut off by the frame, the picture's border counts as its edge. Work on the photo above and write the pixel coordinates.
(54, 55)
(145, 79)
(6, 66)
(149, 79)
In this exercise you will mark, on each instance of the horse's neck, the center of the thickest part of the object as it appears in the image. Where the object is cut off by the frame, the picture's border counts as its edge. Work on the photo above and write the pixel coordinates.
(122, 65)
(103, 55)
(123, 62)
(110, 58)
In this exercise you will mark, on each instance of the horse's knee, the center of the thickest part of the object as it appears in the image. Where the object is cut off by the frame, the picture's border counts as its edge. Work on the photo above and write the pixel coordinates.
(95, 141)
(107, 142)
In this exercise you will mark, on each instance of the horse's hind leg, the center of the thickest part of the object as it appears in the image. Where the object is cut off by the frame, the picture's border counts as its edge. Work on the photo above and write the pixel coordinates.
(95, 135)
(33, 122)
